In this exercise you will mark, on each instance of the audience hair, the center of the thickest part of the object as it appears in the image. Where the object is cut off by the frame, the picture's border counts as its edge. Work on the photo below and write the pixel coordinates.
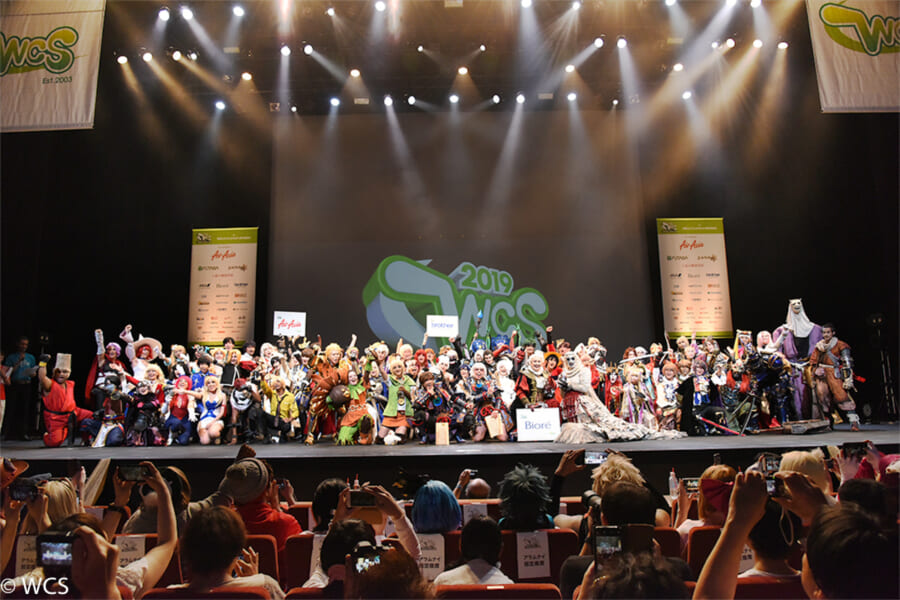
(722, 473)
(626, 503)
(768, 535)
(524, 493)
(212, 539)
(639, 576)
(325, 501)
(396, 575)
(76, 520)
(435, 509)
(869, 495)
(481, 538)
(617, 467)
(342, 539)
(809, 464)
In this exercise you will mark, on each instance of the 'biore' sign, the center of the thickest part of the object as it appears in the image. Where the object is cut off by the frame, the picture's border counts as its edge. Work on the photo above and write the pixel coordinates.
(403, 292)
(442, 326)
(537, 425)
(290, 324)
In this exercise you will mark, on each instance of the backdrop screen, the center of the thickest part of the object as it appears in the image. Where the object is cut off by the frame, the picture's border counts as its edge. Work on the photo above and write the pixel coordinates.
(531, 218)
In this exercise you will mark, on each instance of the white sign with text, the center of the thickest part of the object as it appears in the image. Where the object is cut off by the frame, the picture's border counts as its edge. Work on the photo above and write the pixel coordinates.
(537, 425)
(533, 554)
(442, 326)
(290, 324)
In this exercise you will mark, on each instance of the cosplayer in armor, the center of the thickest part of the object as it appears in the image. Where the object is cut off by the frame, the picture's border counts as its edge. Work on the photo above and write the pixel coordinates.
(637, 402)
(668, 413)
(399, 406)
(106, 362)
(699, 398)
(432, 405)
(247, 405)
(799, 337)
(142, 417)
(62, 418)
(180, 411)
(832, 371)
(106, 427)
(358, 423)
(484, 402)
(325, 374)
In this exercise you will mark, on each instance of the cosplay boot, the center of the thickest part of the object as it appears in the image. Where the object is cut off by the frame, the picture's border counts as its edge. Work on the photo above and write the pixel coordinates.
(366, 430)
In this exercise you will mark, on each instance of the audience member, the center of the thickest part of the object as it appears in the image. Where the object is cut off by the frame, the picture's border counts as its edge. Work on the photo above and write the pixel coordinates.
(812, 465)
(325, 501)
(435, 509)
(480, 545)
(471, 488)
(869, 495)
(342, 538)
(635, 576)
(712, 503)
(525, 499)
(394, 575)
(771, 539)
(56, 500)
(213, 549)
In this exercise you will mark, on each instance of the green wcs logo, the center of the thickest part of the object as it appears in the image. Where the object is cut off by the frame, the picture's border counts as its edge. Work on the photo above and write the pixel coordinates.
(52, 52)
(853, 29)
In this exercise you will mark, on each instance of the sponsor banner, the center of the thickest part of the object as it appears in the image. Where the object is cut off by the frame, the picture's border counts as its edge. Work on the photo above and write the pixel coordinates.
(856, 44)
(49, 61)
(694, 277)
(442, 326)
(537, 425)
(223, 285)
(290, 324)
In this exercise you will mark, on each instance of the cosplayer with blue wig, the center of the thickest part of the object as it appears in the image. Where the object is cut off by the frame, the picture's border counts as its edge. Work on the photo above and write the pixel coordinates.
(435, 509)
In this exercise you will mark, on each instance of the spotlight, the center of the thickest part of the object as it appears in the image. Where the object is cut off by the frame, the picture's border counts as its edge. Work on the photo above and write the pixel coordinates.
(730, 3)
(411, 100)
(122, 59)
(380, 6)
(238, 10)
(730, 42)
(192, 55)
(482, 47)
(755, 3)
(687, 95)
(307, 49)
(757, 43)
(598, 42)
(388, 101)
(285, 50)
(576, 5)
(246, 76)
(678, 67)
(495, 99)
(615, 102)
(454, 98)
(330, 12)
(520, 98)
(570, 68)
(186, 13)
(421, 48)
(670, 2)
(164, 14)
(335, 102)
(176, 55)
(463, 71)
(220, 105)
(293, 108)
(525, 3)
(782, 45)
(714, 45)
(622, 42)
(354, 72)
(572, 96)
(147, 56)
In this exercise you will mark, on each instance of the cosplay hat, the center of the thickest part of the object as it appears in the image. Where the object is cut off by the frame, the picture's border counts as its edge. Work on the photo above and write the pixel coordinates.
(64, 361)
(245, 480)
(9, 470)
(554, 354)
(155, 345)
(499, 340)
(477, 344)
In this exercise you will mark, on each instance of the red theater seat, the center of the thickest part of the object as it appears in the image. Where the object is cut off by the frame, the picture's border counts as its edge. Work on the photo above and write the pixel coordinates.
(222, 593)
(562, 543)
(700, 543)
(267, 549)
(302, 592)
(511, 590)
(669, 541)
(763, 588)
(298, 555)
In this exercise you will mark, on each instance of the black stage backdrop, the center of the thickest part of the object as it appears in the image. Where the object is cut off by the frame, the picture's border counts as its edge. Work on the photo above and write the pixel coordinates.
(96, 224)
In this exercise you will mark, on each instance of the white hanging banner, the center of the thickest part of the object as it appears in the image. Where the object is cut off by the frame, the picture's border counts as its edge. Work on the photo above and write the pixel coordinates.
(49, 60)
(223, 285)
(533, 554)
(694, 277)
(856, 44)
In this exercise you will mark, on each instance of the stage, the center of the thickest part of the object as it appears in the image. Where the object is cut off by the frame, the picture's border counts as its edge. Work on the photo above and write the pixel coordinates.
(305, 465)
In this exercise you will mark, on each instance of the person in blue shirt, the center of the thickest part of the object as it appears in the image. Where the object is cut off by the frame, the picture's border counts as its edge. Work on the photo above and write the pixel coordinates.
(21, 393)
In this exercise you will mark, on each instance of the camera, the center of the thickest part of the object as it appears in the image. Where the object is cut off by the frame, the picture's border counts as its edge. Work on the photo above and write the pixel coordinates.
(23, 491)
(691, 484)
(359, 498)
(366, 555)
(590, 499)
(54, 553)
(132, 473)
(775, 487)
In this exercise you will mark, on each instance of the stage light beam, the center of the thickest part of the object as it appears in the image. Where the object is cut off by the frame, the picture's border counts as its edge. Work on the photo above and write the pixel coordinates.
(572, 97)
(388, 101)
(285, 50)
(122, 59)
(246, 76)
(335, 102)
(454, 99)
(186, 13)
(307, 49)
(354, 73)
(330, 11)
(147, 56)
(164, 14)
(622, 43)
(520, 98)
(782, 45)
(238, 10)
(757, 43)
(570, 68)
(380, 6)
(463, 71)
(525, 3)
(678, 67)
(411, 100)
(220, 105)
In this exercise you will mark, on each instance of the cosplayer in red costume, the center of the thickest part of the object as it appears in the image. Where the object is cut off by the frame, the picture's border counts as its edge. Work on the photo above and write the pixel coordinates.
(62, 418)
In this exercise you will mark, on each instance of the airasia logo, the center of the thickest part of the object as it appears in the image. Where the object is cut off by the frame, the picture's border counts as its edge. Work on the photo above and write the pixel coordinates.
(223, 255)
(292, 324)
(694, 244)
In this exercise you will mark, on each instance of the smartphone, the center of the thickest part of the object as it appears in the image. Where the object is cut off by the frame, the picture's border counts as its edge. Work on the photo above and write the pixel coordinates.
(771, 465)
(717, 459)
(359, 498)
(54, 554)
(855, 449)
(775, 487)
(132, 473)
(22, 491)
(607, 542)
(691, 484)
(595, 457)
(281, 483)
(364, 556)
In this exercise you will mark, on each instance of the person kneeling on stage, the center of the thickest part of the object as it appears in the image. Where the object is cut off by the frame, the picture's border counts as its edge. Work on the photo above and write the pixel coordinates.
(700, 400)
(181, 409)
(282, 417)
(105, 427)
(62, 418)
(246, 405)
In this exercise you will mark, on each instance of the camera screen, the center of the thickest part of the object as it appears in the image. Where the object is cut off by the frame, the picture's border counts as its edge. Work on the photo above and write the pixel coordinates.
(594, 458)
(359, 498)
(691, 484)
(22, 492)
(772, 464)
(56, 554)
(770, 486)
(607, 545)
(364, 563)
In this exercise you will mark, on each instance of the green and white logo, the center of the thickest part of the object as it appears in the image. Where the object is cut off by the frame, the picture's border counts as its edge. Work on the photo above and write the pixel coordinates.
(52, 52)
(403, 292)
(854, 29)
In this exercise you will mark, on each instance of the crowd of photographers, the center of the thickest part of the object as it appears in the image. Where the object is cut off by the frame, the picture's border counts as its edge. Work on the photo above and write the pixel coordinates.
(849, 537)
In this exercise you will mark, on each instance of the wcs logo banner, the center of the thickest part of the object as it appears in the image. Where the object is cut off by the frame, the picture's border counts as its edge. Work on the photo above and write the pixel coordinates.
(52, 52)
(856, 30)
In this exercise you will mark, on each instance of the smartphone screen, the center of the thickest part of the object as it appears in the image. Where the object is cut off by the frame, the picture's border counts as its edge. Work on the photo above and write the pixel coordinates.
(691, 484)
(360, 498)
(22, 492)
(594, 458)
(131, 472)
(607, 542)
(771, 464)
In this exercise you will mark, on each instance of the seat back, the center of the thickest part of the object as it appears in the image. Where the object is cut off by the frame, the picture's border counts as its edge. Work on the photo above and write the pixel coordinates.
(669, 541)
(562, 544)
(298, 554)
(700, 543)
(302, 592)
(220, 593)
(266, 547)
(173, 574)
(300, 511)
(510, 590)
(769, 587)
